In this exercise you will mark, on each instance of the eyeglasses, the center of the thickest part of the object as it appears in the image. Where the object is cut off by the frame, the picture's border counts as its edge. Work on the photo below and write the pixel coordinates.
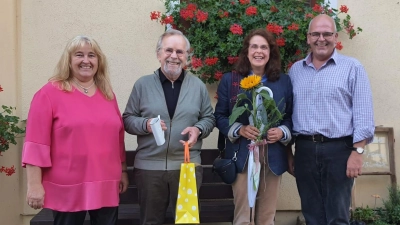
(254, 47)
(169, 51)
(326, 35)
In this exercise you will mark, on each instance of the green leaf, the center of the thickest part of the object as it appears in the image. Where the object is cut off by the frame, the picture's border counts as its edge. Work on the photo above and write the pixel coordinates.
(236, 112)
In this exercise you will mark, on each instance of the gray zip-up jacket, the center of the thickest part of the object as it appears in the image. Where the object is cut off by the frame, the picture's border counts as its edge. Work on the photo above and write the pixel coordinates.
(147, 101)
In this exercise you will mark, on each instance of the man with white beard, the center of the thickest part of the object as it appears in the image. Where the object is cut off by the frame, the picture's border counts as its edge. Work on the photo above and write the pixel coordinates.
(183, 104)
(333, 121)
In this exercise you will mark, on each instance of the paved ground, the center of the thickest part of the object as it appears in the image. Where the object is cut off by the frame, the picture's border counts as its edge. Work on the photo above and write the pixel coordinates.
(282, 218)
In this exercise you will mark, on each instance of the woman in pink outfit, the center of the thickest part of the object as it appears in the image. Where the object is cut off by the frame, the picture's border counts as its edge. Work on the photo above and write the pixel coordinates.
(74, 147)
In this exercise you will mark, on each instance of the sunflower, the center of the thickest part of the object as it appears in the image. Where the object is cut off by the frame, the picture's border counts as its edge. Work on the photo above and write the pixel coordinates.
(250, 82)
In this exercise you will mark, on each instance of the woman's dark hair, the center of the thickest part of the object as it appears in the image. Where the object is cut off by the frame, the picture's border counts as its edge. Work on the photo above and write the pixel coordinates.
(273, 66)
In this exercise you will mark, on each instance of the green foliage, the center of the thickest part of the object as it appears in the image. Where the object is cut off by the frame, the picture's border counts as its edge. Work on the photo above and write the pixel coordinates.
(9, 127)
(391, 214)
(379, 222)
(216, 40)
(364, 214)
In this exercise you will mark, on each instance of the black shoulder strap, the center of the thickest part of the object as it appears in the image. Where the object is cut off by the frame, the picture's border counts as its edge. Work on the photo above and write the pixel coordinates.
(235, 85)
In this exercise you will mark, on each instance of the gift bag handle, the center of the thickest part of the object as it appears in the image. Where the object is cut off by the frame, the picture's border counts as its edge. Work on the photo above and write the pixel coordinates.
(187, 155)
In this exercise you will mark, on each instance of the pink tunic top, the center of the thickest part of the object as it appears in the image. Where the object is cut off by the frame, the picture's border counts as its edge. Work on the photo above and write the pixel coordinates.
(78, 141)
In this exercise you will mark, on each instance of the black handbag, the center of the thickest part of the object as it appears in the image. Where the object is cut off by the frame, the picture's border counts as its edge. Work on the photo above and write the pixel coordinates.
(226, 169)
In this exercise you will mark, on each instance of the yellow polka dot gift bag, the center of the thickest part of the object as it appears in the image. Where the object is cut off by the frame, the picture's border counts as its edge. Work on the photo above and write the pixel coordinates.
(187, 206)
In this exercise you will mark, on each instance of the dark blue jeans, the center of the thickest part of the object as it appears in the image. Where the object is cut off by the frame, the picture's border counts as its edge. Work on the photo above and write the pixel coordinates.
(324, 188)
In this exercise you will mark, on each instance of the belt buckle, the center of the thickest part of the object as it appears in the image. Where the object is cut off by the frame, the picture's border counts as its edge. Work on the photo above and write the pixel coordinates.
(321, 138)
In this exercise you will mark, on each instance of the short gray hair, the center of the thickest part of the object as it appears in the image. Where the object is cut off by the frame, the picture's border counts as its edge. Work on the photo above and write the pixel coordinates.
(171, 32)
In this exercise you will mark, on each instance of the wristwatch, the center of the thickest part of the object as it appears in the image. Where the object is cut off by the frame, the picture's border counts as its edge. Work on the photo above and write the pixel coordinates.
(359, 150)
(200, 130)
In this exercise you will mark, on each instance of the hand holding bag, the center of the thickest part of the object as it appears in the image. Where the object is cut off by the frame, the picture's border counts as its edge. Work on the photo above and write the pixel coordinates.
(187, 205)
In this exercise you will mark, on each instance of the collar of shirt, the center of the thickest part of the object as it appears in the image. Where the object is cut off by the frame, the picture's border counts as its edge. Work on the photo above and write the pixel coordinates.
(308, 60)
(163, 78)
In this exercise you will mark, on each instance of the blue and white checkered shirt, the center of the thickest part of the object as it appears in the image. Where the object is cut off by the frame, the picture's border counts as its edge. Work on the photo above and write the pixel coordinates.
(334, 101)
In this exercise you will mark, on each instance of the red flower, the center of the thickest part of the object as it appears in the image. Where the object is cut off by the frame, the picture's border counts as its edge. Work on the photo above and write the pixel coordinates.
(201, 16)
(350, 30)
(280, 41)
(339, 46)
(191, 7)
(298, 52)
(187, 14)
(317, 8)
(274, 28)
(196, 62)
(309, 15)
(232, 59)
(167, 20)
(211, 61)
(223, 14)
(7, 170)
(218, 75)
(236, 29)
(290, 64)
(1, 89)
(274, 9)
(155, 15)
(344, 9)
(294, 26)
(10, 171)
(2, 140)
(205, 76)
(232, 2)
(251, 10)
(244, 2)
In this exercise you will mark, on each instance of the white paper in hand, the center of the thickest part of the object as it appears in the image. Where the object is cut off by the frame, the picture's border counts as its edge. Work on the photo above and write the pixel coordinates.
(158, 133)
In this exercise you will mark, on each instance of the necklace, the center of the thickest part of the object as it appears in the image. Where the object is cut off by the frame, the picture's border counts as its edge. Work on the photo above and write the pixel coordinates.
(85, 89)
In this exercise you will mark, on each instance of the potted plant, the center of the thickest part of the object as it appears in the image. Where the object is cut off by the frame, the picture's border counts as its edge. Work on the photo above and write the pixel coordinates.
(391, 211)
(216, 29)
(9, 131)
(363, 216)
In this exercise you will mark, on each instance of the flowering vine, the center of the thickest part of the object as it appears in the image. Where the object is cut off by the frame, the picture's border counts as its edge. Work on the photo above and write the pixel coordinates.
(216, 29)
(9, 130)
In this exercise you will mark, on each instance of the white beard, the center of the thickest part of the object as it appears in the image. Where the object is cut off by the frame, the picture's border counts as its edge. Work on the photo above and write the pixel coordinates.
(174, 74)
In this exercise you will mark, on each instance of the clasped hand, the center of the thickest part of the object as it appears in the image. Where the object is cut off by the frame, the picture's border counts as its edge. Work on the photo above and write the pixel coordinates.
(251, 133)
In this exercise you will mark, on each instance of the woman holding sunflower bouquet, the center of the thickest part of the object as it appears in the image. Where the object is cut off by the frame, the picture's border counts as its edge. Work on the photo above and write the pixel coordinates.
(266, 127)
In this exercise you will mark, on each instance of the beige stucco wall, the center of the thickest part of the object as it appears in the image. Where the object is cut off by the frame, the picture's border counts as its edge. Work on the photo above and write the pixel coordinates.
(10, 191)
(33, 34)
(377, 49)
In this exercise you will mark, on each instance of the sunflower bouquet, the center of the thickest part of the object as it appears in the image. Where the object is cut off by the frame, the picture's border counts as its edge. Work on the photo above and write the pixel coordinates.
(262, 109)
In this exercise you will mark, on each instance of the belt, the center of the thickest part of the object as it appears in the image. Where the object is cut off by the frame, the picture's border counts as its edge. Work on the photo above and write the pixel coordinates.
(321, 138)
